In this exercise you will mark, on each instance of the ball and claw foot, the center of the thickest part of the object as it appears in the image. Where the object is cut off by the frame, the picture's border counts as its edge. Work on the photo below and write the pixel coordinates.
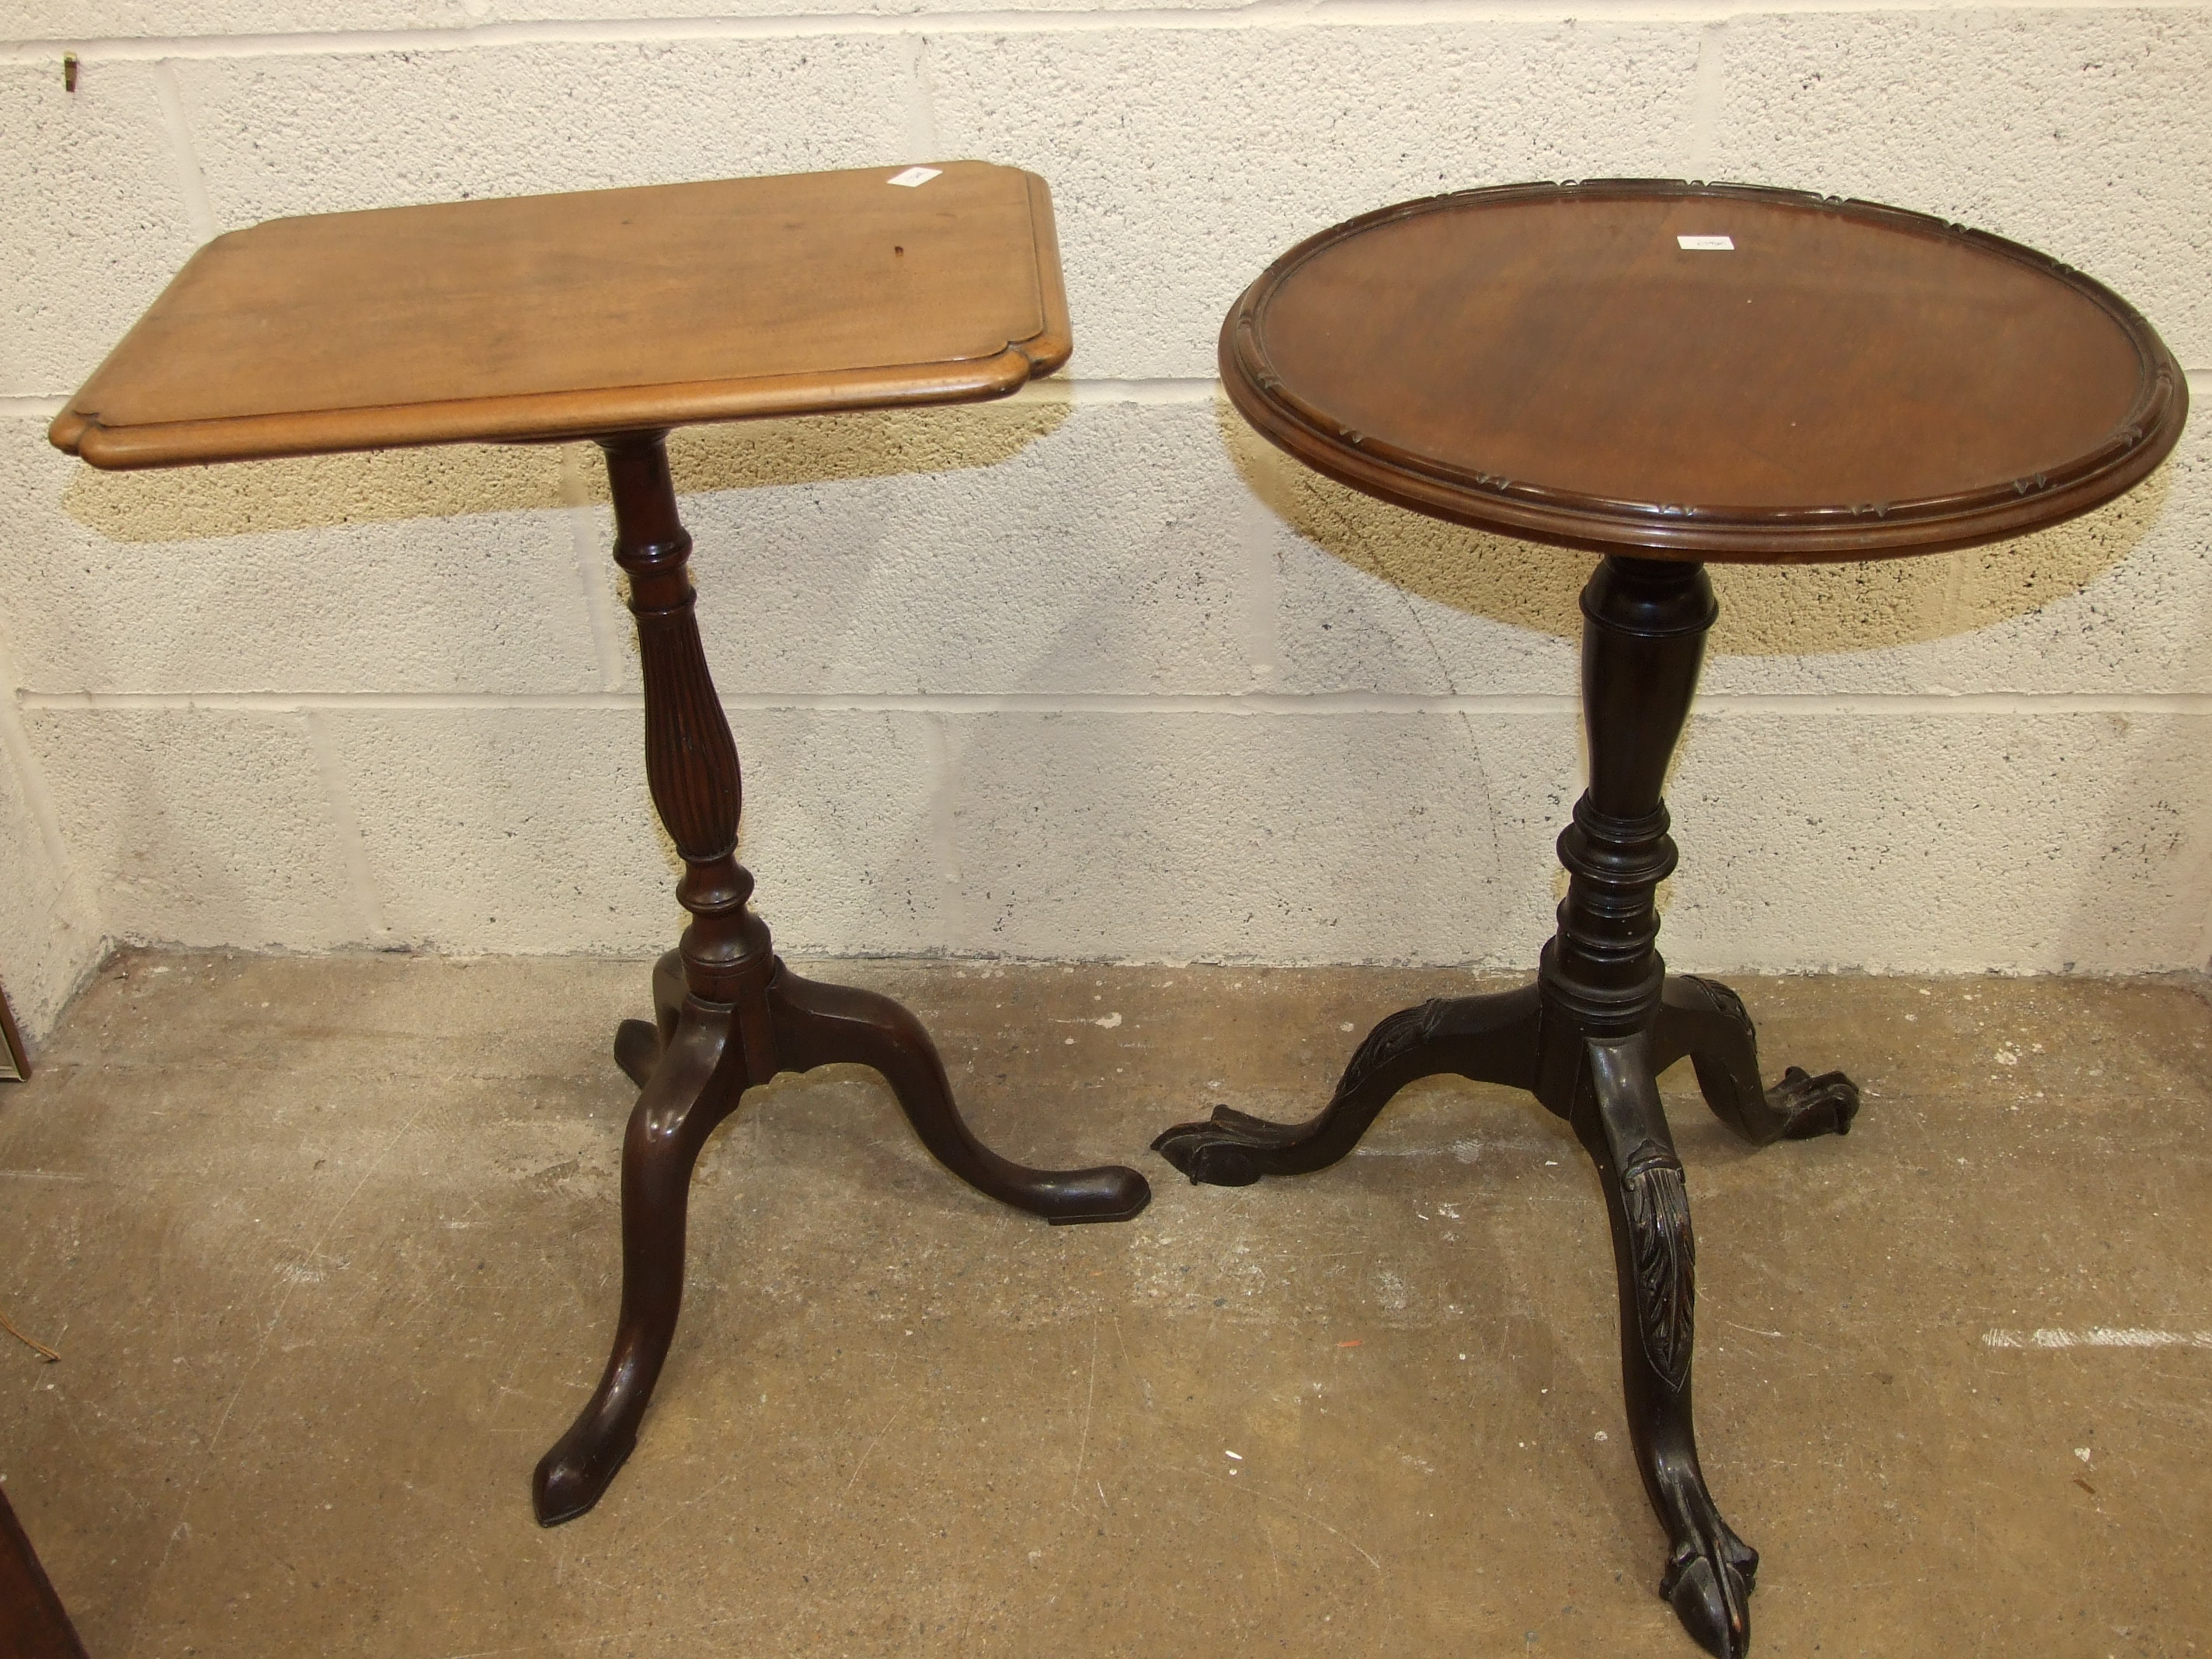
(1705, 1020)
(1225, 1149)
(1822, 1105)
(1708, 1582)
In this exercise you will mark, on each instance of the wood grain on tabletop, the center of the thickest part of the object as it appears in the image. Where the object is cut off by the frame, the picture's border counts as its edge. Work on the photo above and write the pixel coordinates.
(575, 314)
(1843, 381)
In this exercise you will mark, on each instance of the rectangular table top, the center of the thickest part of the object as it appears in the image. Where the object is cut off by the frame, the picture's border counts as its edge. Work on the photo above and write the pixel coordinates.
(542, 317)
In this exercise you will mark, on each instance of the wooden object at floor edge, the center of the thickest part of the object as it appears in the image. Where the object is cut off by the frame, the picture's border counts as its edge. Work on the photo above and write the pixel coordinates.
(14, 1056)
(34, 1624)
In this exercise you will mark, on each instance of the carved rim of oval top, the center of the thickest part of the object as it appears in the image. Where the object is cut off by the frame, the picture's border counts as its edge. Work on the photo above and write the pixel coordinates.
(2135, 445)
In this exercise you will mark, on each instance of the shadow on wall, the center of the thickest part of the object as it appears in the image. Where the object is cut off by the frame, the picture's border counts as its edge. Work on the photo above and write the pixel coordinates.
(1766, 610)
(319, 491)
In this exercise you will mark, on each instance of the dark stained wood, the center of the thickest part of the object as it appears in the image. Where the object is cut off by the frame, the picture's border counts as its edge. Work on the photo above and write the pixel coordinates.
(690, 758)
(15, 1059)
(33, 1624)
(1589, 1040)
(1547, 360)
(574, 315)
(1851, 381)
(728, 1014)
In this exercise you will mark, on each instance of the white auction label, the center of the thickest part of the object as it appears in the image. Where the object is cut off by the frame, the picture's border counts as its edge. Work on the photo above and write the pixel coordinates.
(916, 178)
(1690, 244)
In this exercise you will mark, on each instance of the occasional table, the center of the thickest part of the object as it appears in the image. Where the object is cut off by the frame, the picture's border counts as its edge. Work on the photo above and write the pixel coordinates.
(615, 315)
(1666, 375)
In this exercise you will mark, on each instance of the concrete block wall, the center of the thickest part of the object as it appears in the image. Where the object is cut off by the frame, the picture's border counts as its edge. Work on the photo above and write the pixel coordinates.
(1090, 673)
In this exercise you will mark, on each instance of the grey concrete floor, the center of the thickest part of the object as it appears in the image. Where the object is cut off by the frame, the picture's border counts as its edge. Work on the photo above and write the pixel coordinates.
(329, 1247)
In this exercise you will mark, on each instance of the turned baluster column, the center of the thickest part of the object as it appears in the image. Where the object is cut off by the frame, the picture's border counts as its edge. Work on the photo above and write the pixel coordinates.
(1643, 642)
(691, 759)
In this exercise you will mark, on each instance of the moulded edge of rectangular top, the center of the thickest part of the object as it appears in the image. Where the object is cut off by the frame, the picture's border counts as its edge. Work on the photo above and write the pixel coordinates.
(547, 317)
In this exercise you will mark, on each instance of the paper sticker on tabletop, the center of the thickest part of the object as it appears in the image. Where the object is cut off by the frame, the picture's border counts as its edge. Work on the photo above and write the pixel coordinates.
(1688, 243)
(916, 178)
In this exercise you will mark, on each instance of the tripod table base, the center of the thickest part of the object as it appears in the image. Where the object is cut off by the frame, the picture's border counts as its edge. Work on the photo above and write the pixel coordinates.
(1589, 1039)
(1613, 1107)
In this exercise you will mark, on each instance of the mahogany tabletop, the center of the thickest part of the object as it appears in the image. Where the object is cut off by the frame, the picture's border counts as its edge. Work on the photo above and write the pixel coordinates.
(542, 317)
(1702, 372)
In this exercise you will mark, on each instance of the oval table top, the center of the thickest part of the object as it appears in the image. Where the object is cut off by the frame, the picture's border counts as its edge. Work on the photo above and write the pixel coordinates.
(1688, 371)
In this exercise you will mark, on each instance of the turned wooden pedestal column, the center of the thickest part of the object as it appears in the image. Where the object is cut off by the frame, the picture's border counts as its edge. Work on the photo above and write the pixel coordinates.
(615, 315)
(728, 1015)
(1666, 375)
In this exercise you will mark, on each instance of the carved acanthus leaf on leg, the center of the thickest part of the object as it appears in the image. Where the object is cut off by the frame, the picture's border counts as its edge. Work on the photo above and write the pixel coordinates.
(1401, 1033)
(1666, 1262)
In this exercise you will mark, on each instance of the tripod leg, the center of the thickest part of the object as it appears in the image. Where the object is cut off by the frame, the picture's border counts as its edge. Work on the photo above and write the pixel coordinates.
(1617, 1117)
(640, 1044)
(1705, 1020)
(1490, 1039)
(696, 1085)
(820, 1024)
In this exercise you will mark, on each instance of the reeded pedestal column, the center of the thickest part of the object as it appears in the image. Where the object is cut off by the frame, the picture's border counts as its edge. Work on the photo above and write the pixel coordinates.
(729, 1014)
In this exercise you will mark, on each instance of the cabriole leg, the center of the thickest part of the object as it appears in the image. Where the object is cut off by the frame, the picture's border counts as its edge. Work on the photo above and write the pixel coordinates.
(1588, 1039)
(639, 1044)
(820, 1024)
(1705, 1020)
(1618, 1119)
(690, 1092)
(1490, 1039)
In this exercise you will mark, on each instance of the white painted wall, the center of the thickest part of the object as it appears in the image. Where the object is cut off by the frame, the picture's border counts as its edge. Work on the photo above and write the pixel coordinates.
(50, 936)
(1090, 673)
